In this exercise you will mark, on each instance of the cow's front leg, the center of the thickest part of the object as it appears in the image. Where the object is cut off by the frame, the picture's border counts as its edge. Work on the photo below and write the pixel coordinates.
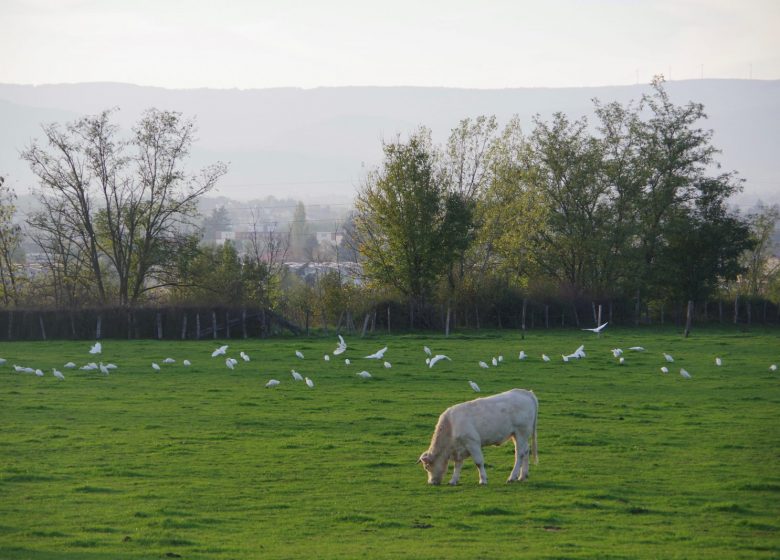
(456, 472)
(479, 460)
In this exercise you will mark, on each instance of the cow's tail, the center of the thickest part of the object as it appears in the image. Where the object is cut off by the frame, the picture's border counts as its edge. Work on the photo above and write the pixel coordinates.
(535, 447)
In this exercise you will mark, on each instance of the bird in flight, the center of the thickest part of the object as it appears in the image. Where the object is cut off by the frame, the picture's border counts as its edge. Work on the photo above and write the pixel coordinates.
(597, 329)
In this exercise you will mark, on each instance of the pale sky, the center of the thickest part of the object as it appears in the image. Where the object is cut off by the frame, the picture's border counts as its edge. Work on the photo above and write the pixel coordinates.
(453, 43)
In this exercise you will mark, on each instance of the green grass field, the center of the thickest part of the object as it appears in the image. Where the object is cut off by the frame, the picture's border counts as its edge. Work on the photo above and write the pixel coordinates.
(202, 462)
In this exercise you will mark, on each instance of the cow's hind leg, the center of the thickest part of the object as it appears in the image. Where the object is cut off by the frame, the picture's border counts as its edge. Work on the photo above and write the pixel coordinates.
(456, 472)
(521, 459)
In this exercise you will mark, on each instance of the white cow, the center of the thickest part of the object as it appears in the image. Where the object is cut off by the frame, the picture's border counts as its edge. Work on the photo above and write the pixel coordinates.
(463, 429)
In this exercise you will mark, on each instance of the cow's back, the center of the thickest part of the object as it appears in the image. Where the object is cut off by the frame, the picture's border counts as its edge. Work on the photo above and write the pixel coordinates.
(494, 419)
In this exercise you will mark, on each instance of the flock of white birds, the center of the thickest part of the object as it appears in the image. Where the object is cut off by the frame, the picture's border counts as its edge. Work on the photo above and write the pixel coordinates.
(430, 361)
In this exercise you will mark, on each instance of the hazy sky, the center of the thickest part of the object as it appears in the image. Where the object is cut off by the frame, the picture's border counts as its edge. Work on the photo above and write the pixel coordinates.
(457, 43)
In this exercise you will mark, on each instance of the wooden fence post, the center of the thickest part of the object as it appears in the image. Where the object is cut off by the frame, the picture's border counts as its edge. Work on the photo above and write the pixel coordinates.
(158, 320)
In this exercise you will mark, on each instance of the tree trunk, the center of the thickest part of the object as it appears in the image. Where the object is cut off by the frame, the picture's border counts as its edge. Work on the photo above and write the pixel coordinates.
(388, 319)
(688, 318)
(227, 324)
(720, 311)
(243, 324)
(476, 315)
(736, 309)
(43, 330)
(365, 324)
(184, 327)
(447, 320)
(546, 316)
(748, 307)
(98, 328)
(214, 324)
(197, 326)
(10, 324)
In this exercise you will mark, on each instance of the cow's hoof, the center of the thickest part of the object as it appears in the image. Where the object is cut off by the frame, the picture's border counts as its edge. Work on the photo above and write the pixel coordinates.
(511, 480)
(453, 483)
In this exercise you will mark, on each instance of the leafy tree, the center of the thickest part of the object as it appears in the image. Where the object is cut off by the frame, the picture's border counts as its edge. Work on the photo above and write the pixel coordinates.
(10, 239)
(568, 175)
(410, 225)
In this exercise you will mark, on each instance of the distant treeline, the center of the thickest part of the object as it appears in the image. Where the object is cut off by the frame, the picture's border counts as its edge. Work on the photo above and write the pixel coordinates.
(223, 323)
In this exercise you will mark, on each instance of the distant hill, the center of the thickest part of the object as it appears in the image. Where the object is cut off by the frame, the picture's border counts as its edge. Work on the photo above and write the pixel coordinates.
(316, 144)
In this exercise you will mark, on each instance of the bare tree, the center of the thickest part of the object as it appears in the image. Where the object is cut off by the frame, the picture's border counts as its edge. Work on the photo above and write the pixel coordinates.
(128, 202)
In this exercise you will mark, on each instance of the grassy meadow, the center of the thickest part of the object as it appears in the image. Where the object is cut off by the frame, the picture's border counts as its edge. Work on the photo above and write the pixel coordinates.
(204, 462)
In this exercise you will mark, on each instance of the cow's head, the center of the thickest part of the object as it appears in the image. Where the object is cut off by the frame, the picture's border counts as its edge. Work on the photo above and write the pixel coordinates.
(435, 466)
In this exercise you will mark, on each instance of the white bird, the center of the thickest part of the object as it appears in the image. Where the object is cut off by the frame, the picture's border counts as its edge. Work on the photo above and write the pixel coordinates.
(346, 361)
(483, 365)
(29, 370)
(437, 358)
(522, 355)
(169, 361)
(2, 361)
(622, 360)
(309, 383)
(378, 355)
(684, 373)
(297, 376)
(718, 362)
(474, 386)
(494, 362)
(69, 365)
(500, 358)
(427, 350)
(577, 354)
(272, 383)
(244, 356)
(617, 352)
(597, 329)
(110, 366)
(103, 369)
(565, 358)
(664, 369)
(341, 348)
(58, 374)
(20, 369)
(773, 367)
(427, 361)
(637, 348)
(326, 358)
(39, 372)
(155, 367)
(97, 348)
(299, 354)
(364, 374)
(219, 351)
(186, 363)
(229, 363)
(668, 358)
(89, 367)
(545, 357)
(388, 365)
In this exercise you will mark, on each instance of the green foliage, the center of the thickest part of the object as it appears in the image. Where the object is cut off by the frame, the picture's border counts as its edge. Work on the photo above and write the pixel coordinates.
(410, 226)
(204, 462)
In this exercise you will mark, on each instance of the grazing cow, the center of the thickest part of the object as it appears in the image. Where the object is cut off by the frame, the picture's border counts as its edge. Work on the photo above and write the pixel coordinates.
(463, 429)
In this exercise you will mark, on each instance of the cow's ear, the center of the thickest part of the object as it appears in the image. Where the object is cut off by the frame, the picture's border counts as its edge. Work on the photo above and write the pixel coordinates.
(425, 458)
